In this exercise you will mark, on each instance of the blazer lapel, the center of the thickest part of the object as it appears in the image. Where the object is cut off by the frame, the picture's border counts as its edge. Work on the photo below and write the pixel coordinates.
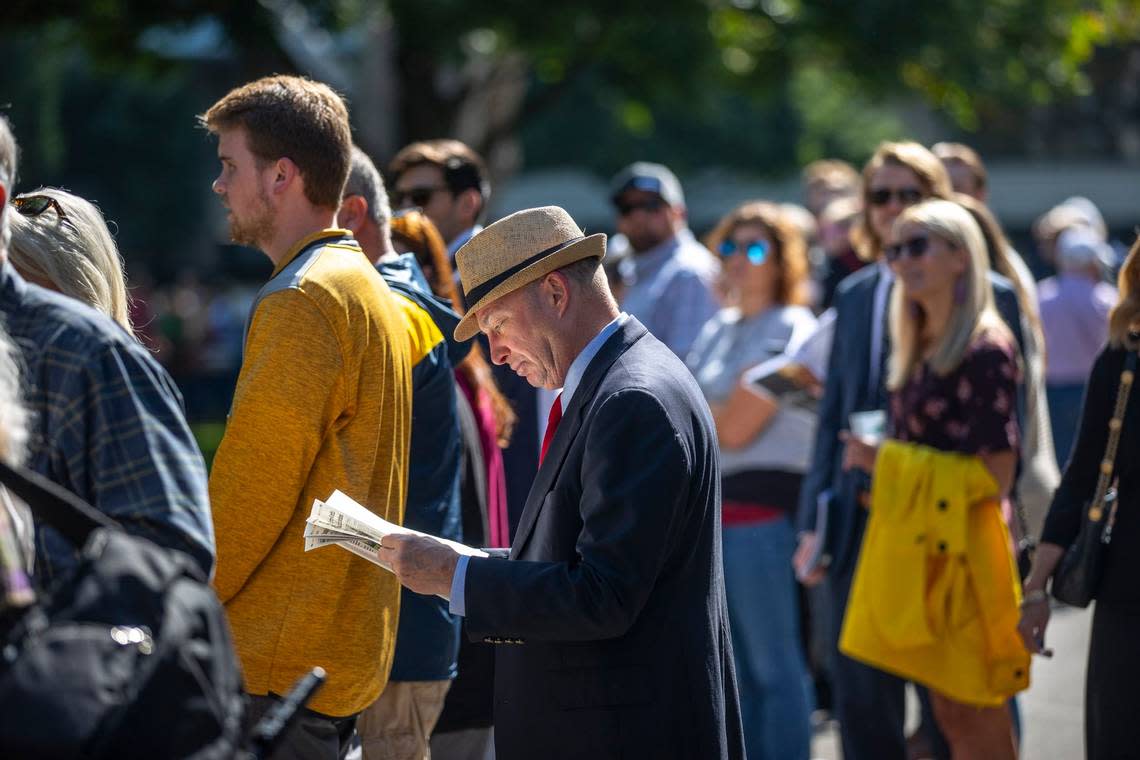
(860, 334)
(571, 423)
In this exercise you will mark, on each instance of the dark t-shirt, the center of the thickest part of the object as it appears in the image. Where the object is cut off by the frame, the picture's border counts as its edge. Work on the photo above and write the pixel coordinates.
(971, 410)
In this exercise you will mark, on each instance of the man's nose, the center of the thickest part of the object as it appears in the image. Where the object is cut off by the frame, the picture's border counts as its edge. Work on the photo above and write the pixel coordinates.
(219, 186)
(499, 352)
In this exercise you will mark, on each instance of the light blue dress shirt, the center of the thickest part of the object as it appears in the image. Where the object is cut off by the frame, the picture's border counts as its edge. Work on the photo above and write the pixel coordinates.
(574, 376)
(670, 290)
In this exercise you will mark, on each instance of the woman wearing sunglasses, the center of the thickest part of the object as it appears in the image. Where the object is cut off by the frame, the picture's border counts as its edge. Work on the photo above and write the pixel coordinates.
(897, 176)
(764, 452)
(935, 597)
(61, 242)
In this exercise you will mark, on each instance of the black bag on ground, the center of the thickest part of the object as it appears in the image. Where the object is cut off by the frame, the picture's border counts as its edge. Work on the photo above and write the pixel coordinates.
(127, 656)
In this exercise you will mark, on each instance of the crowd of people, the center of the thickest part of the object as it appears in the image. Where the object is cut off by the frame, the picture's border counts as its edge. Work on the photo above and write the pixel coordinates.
(717, 484)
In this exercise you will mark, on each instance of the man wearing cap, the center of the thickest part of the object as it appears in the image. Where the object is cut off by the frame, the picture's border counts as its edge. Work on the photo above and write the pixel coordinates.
(670, 276)
(609, 613)
(1074, 317)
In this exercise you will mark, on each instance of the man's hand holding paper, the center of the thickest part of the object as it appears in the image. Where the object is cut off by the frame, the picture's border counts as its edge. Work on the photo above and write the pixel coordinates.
(423, 563)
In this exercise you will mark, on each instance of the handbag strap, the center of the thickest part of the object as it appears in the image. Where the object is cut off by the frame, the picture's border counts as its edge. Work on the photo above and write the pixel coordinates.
(74, 518)
(1108, 464)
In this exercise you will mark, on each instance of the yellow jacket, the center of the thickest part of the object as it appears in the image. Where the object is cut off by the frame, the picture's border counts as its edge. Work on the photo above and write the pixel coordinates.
(935, 596)
(323, 402)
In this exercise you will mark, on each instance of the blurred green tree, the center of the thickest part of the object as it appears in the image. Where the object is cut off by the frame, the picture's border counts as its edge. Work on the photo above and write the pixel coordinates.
(481, 68)
(103, 92)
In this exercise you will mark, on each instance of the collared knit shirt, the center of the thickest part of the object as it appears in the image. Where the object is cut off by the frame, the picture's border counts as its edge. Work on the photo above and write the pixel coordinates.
(323, 403)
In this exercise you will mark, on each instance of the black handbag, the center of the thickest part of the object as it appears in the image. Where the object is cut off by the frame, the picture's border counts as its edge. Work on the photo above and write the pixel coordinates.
(1077, 577)
(128, 655)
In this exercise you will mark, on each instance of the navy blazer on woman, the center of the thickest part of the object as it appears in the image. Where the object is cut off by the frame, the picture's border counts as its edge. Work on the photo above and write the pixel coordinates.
(610, 612)
(846, 391)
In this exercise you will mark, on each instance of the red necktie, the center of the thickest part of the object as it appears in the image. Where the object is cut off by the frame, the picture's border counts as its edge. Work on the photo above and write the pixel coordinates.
(551, 425)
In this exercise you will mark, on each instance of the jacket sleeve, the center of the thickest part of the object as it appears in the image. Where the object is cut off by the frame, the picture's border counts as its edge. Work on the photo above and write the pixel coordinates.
(826, 450)
(1078, 482)
(636, 488)
(287, 398)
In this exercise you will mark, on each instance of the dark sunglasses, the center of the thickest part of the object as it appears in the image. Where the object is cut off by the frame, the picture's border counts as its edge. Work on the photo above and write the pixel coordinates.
(34, 205)
(651, 205)
(915, 248)
(415, 196)
(908, 196)
(757, 250)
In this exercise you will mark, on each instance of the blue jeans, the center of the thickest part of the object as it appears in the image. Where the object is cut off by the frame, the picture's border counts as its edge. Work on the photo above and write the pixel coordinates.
(1064, 416)
(775, 690)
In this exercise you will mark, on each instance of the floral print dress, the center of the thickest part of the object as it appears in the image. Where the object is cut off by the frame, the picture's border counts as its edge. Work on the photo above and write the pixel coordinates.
(971, 410)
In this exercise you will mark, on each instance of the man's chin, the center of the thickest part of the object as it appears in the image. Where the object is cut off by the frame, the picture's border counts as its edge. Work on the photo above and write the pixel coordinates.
(243, 236)
(534, 379)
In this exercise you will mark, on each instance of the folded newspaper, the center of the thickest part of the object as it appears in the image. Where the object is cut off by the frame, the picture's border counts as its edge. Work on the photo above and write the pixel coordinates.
(343, 522)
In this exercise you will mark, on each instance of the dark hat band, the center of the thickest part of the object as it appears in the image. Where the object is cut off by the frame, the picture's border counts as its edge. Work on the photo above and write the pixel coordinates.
(484, 288)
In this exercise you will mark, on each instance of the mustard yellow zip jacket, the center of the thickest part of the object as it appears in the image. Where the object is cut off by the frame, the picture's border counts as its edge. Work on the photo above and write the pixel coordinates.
(936, 593)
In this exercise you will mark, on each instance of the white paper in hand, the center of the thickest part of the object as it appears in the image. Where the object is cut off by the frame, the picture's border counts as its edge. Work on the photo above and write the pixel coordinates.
(344, 522)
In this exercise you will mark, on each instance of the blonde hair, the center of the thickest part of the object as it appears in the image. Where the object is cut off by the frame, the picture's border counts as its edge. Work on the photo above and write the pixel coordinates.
(75, 253)
(789, 249)
(1125, 317)
(933, 180)
(976, 314)
(1001, 255)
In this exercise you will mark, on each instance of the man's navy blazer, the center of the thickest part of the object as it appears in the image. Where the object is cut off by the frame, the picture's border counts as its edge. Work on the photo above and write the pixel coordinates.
(846, 391)
(610, 612)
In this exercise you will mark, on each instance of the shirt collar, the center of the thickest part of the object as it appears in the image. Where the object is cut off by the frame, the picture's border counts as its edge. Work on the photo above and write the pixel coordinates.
(582, 361)
(664, 249)
(461, 240)
(643, 266)
(327, 234)
(885, 271)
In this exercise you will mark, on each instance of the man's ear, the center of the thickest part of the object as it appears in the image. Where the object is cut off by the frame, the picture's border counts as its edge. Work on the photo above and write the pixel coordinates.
(282, 173)
(470, 205)
(680, 216)
(556, 287)
(352, 213)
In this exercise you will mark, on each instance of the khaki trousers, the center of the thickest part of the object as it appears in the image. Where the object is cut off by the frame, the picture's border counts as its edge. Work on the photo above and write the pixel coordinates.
(398, 725)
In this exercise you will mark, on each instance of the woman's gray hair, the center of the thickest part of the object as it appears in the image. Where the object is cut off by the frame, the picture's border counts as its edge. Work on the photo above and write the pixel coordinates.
(75, 254)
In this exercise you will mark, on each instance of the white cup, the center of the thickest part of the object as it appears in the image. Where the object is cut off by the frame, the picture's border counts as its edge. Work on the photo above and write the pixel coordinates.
(870, 426)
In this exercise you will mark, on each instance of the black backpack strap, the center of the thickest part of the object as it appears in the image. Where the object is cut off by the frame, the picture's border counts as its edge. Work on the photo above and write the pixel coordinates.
(53, 504)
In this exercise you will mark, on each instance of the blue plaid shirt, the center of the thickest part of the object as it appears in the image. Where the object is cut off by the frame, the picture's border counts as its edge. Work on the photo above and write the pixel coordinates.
(108, 425)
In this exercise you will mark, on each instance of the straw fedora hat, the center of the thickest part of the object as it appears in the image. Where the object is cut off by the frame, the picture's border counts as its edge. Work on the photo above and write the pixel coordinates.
(516, 250)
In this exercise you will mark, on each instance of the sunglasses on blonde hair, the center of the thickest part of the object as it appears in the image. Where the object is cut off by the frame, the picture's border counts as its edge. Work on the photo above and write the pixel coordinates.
(34, 205)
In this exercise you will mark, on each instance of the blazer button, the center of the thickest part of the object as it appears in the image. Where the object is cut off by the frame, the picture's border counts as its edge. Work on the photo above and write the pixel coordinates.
(487, 640)
(942, 546)
(942, 505)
